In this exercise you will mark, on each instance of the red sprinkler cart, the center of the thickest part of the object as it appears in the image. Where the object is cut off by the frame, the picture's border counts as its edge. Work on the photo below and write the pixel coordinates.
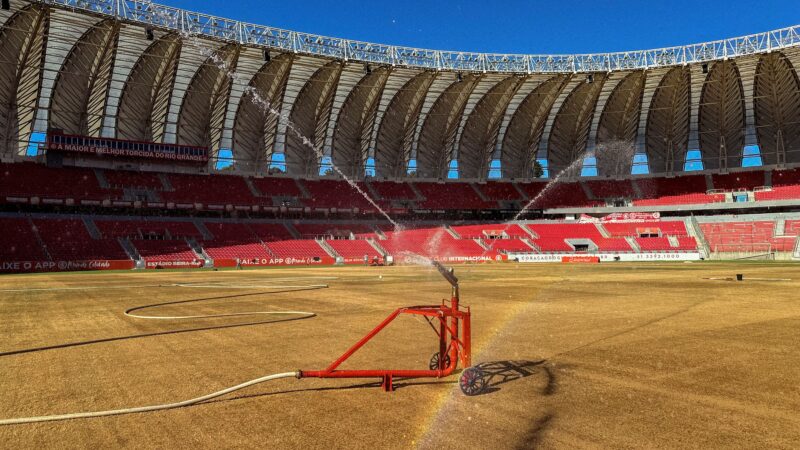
(454, 343)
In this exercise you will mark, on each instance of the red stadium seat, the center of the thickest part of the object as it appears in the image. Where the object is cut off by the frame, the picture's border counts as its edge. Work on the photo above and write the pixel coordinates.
(69, 240)
(755, 236)
(297, 249)
(19, 242)
(495, 190)
(446, 196)
(354, 250)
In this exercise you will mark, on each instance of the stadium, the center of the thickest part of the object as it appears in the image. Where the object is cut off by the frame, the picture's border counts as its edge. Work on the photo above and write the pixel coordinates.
(193, 207)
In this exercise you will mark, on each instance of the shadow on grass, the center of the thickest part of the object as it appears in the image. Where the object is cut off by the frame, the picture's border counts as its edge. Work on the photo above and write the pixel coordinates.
(497, 373)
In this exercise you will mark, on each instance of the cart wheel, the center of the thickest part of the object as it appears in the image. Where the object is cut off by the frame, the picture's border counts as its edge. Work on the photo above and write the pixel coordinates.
(472, 381)
(434, 362)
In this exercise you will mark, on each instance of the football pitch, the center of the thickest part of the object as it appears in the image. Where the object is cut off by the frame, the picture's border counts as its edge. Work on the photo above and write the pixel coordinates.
(611, 355)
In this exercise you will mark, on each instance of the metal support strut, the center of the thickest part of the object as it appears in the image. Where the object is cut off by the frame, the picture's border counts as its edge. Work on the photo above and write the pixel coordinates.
(454, 333)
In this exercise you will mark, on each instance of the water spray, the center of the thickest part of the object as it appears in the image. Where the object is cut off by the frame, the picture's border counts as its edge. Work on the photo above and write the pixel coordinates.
(262, 103)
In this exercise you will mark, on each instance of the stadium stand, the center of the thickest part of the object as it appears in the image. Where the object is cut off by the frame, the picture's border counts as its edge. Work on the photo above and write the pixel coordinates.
(559, 195)
(236, 251)
(507, 245)
(686, 243)
(653, 243)
(119, 179)
(751, 236)
(69, 240)
(339, 230)
(738, 181)
(166, 252)
(488, 230)
(354, 250)
(18, 184)
(779, 193)
(791, 228)
(391, 190)
(147, 228)
(35, 180)
(297, 249)
(336, 194)
(635, 229)
(785, 186)
(690, 189)
(451, 196)
(612, 245)
(209, 189)
(430, 242)
(786, 177)
(233, 241)
(683, 199)
(277, 186)
(269, 232)
(611, 188)
(532, 189)
(553, 237)
(169, 243)
(81, 196)
(495, 190)
(665, 244)
(19, 241)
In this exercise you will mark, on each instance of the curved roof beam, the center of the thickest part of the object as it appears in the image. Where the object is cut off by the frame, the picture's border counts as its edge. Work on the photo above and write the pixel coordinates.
(477, 141)
(568, 139)
(667, 131)
(22, 39)
(143, 108)
(438, 87)
(396, 132)
(206, 99)
(721, 120)
(521, 141)
(777, 109)
(437, 137)
(309, 118)
(81, 88)
(353, 129)
(255, 128)
(616, 133)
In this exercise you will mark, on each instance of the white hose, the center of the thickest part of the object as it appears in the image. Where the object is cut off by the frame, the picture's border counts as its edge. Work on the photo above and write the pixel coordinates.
(140, 409)
(193, 401)
(302, 314)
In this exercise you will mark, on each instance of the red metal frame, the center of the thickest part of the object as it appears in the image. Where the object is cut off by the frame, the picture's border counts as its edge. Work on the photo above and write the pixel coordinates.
(453, 322)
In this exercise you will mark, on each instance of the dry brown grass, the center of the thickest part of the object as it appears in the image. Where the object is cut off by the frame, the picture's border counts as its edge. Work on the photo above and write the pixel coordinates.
(618, 355)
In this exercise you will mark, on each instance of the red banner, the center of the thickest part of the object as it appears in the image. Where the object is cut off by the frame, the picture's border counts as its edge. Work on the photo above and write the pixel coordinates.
(57, 141)
(64, 266)
(580, 259)
(413, 259)
(585, 218)
(173, 264)
(368, 262)
(632, 217)
(324, 261)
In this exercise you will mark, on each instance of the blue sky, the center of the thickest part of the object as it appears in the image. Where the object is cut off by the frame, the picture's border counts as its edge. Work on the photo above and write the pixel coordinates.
(516, 26)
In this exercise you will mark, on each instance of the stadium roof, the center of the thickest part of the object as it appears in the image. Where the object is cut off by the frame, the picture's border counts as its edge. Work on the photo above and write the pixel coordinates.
(157, 15)
(143, 72)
